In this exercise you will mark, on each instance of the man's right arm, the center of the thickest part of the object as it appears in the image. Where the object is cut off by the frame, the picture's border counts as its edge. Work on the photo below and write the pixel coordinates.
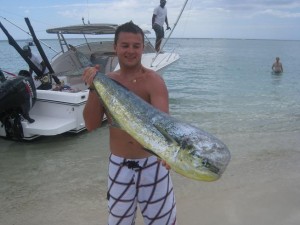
(166, 21)
(93, 112)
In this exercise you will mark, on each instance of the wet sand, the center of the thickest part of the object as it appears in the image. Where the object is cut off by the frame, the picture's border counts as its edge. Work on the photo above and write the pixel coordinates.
(62, 180)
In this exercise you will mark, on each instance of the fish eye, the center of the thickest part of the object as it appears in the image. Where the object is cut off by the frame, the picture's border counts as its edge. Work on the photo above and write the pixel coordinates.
(209, 166)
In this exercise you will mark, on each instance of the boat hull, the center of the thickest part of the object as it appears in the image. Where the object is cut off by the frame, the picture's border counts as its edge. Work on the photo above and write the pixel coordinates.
(55, 112)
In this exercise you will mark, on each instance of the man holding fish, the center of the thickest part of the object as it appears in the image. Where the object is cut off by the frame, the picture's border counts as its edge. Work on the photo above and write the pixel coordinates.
(135, 175)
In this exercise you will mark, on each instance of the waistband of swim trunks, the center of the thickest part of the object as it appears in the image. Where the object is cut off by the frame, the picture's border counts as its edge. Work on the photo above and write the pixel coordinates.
(118, 159)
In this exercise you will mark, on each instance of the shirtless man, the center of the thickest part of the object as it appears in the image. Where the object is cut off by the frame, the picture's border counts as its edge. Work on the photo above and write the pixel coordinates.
(277, 66)
(135, 176)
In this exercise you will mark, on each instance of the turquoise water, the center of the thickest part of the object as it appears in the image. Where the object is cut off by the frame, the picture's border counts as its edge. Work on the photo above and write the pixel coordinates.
(226, 86)
(222, 85)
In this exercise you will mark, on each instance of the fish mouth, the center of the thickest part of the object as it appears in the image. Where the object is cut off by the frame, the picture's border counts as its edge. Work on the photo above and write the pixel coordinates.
(212, 168)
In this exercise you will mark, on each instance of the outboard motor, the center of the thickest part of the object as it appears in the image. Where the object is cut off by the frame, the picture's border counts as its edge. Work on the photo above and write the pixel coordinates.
(17, 97)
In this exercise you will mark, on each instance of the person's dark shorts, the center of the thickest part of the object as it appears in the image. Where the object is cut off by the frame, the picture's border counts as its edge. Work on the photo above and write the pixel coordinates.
(159, 31)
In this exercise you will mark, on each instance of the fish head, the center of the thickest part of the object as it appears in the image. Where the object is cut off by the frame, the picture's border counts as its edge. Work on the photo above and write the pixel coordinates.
(205, 157)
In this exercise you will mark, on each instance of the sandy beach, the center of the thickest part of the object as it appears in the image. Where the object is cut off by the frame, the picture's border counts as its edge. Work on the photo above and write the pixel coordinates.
(62, 180)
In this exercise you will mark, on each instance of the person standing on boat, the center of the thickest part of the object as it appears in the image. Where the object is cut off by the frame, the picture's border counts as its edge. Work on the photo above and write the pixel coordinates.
(277, 66)
(42, 83)
(135, 176)
(158, 19)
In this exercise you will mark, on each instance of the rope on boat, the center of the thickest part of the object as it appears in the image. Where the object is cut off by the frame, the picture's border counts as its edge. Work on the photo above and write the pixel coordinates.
(9, 73)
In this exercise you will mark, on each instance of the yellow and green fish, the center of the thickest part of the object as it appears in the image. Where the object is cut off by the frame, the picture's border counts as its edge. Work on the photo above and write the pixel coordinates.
(189, 150)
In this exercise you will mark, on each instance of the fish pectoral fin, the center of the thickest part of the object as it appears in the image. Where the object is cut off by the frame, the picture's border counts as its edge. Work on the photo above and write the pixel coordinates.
(152, 152)
(168, 137)
(117, 82)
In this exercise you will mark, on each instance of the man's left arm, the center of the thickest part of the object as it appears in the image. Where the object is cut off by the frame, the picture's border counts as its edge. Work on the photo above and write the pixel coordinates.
(160, 99)
(166, 20)
(159, 95)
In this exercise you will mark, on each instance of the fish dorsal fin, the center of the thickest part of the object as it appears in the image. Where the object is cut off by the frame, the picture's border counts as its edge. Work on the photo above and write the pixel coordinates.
(118, 83)
(113, 80)
(168, 137)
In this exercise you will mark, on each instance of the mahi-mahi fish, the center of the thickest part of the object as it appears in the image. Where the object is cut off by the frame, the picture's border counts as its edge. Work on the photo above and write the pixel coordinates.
(189, 150)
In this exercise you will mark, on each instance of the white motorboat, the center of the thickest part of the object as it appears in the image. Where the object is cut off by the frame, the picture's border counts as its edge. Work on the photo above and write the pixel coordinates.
(57, 111)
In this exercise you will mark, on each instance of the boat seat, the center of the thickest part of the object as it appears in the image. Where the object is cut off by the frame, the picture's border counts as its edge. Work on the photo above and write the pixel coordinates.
(69, 61)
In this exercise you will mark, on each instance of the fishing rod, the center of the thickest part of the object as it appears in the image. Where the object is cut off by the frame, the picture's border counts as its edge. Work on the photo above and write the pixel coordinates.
(86, 41)
(13, 43)
(29, 34)
(175, 24)
(39, 47)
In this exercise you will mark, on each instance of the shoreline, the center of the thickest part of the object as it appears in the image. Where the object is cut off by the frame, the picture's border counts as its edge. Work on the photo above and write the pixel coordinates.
(65, 183)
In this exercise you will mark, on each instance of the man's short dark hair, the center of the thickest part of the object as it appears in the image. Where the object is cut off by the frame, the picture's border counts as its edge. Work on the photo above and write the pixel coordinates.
(129, 27)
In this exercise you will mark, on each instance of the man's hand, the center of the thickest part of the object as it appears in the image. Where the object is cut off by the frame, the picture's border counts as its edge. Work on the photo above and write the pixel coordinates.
(89, 74)
(164, 163)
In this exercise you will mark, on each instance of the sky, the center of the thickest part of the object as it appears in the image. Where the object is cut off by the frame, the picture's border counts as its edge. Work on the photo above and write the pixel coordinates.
(241, 19)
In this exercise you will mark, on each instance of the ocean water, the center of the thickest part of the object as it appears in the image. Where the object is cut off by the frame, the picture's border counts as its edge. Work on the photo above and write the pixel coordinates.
(226, 86)
(223, 86)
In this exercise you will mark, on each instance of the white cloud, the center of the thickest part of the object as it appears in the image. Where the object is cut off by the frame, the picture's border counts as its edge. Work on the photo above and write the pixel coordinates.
(201, 18)
(280, 13)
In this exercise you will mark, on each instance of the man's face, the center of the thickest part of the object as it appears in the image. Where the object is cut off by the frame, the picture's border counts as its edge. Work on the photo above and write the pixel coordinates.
(163, 3)
(129, 49)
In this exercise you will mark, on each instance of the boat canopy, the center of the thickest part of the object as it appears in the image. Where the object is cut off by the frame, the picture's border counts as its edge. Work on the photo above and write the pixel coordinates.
(99, 28)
